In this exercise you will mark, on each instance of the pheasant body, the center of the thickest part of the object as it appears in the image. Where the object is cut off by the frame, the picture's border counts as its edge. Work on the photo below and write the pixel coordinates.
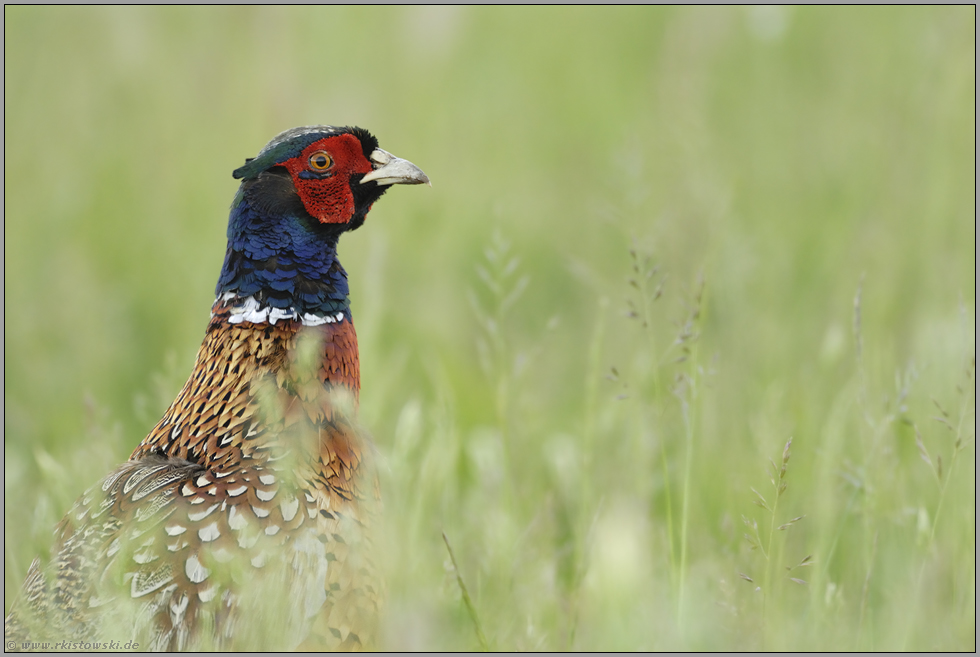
(243, 519)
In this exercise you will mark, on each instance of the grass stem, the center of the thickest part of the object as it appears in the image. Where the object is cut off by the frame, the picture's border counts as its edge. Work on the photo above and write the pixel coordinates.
(467, 602)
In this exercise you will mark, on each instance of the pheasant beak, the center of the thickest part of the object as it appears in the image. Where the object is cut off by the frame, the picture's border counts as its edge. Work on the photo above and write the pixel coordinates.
(391, 170)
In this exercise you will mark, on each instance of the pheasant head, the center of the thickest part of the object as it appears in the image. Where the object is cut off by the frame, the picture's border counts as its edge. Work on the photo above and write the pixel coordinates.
(306, 187)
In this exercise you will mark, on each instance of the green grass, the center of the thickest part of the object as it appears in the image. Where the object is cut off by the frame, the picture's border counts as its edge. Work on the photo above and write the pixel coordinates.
(660, 243)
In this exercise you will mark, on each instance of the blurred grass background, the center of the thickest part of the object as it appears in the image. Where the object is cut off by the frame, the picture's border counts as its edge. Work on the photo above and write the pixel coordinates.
(660, 243)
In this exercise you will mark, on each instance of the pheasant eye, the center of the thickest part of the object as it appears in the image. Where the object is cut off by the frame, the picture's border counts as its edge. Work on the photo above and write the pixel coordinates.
(320, 161)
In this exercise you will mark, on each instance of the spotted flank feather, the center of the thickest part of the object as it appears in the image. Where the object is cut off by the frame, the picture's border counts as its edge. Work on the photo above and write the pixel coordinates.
(243, 520)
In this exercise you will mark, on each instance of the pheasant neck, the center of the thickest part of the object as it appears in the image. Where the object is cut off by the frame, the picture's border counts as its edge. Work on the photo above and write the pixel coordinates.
(280, 263)
(278, 370)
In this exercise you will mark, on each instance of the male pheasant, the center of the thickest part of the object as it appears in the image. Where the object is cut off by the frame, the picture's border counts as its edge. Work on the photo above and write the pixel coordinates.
(242, 521)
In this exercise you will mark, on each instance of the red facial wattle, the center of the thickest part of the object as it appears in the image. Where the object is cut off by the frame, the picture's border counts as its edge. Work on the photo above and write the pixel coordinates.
(325, 190)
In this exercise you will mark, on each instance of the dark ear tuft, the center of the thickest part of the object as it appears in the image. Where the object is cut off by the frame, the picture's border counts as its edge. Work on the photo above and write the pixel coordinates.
(242, 171)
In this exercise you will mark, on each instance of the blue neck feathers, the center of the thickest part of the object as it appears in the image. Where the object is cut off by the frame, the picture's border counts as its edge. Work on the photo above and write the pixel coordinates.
(282, 257)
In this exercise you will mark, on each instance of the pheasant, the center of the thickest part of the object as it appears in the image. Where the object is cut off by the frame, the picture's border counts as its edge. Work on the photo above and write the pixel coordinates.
(243, 520)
